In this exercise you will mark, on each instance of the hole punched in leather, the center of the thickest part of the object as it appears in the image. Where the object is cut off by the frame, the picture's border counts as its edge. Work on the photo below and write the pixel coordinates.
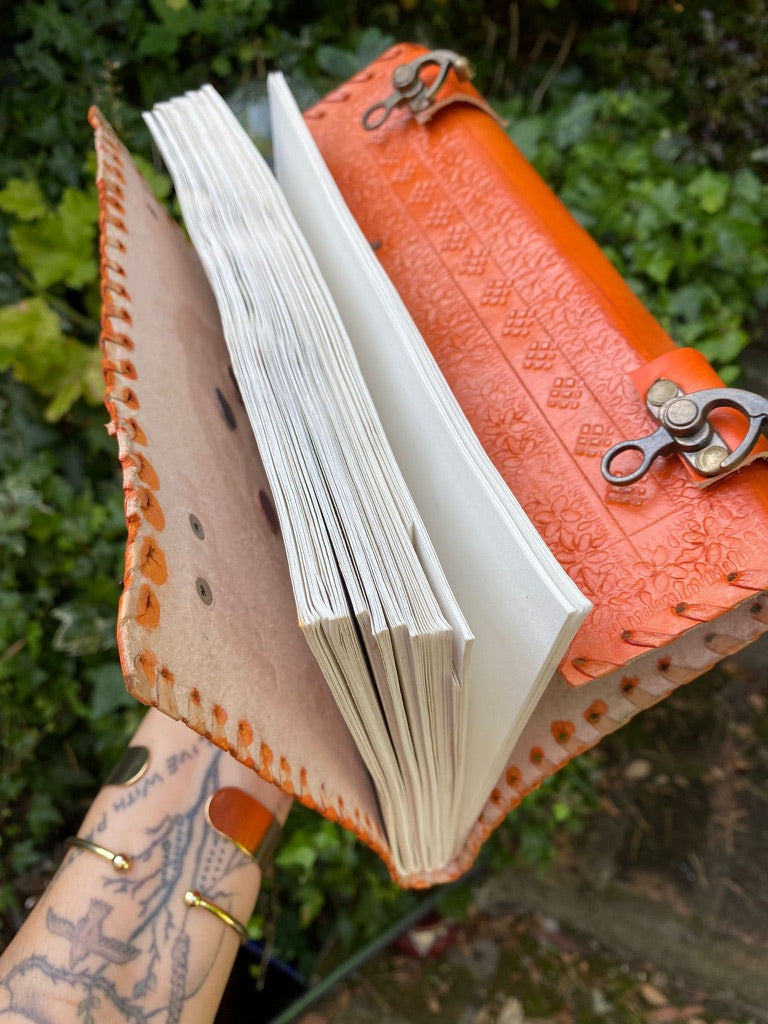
(197, 526)
(204, 591)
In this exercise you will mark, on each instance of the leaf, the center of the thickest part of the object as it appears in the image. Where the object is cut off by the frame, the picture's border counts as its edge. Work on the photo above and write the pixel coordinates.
(80, 631)
(560, 811)
(575, 124)
(26, 323)
(25, 199)
(34, 347)
(746, 185)
(60, 246)
(109, 692)
(526, 133)
(711, 189)
(296, 853)
(658, 265)
(371, 44)
(336, 62)
(311, 906)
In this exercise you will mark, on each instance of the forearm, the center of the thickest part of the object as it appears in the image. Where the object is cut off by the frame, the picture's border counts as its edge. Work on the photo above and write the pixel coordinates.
(109, 946)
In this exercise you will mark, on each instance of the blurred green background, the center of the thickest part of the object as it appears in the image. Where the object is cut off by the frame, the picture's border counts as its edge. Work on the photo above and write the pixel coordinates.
(646, 116)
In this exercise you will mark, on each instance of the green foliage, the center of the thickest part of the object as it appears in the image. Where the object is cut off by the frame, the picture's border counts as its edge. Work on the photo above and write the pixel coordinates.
(711, 56)
(334, 893)
(692, 241)
(55, 249)
(55, 245)
(61, 541)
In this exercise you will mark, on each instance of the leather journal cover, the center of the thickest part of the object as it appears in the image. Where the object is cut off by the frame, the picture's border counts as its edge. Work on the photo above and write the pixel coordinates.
(541, 342)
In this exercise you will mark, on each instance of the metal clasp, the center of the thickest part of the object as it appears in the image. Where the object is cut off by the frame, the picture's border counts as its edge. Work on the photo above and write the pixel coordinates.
(686, 430)
(408, 86)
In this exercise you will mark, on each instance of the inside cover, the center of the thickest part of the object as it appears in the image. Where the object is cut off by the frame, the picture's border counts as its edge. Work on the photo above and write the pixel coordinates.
(207, 628)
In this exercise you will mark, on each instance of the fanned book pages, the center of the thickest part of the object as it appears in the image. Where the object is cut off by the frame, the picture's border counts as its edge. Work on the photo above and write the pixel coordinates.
(433, 608)
(439, 671)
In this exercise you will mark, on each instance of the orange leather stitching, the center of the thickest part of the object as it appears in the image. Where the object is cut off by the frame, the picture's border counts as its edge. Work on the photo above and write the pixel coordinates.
(126, 396)
(150, 508)
(562, 731)
(152, 561)
(146, 471)
(147, 608)
(146, 663)
(595, 711)
(131, 426)
(115, 338)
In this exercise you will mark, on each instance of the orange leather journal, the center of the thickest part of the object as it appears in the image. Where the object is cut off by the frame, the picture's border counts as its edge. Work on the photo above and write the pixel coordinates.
(550, 356)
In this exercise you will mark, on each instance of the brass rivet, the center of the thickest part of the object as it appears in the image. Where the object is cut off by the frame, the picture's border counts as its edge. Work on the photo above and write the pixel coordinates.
(681, 413)
(402, 76)
(197, 526)
(661, 391)
(710, 459)
(204, 592)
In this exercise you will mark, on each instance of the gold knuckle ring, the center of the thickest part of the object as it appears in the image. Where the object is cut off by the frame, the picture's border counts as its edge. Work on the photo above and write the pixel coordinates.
(121, 862)
(194, 898)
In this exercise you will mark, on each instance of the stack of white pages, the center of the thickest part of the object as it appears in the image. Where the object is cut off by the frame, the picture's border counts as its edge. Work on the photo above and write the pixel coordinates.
(435, 611)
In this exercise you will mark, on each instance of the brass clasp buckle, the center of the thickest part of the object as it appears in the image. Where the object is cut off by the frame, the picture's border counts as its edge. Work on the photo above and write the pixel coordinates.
(686, 430)
(409, 87)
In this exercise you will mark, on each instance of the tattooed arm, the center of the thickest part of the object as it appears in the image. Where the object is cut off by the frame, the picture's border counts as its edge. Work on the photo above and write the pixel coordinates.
(114, 948)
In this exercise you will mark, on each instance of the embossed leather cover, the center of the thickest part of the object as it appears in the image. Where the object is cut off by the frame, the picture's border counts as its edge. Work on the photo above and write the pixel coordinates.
(538, 337)
(542, 342)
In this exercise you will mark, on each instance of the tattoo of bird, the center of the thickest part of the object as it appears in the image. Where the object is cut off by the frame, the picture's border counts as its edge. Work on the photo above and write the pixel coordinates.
(86, 936)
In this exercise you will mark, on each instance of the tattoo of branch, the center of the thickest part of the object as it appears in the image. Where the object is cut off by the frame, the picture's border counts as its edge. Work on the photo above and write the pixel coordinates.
(179, 850)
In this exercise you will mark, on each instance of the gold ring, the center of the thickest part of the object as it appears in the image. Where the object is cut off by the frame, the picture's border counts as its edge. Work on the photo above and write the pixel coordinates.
(193, 898)
(120, 861)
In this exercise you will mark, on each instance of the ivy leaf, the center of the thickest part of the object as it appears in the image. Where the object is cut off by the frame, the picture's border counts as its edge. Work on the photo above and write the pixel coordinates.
(575, 124)
(108, 693)
(311, 905)
(296, 853)
(746, 185)
(35, 348)
(526, 133)
(81, 630)
(59, 246)
(344, 63)
(711, 190)
(336, 62)
(24, 199)
(23, 324)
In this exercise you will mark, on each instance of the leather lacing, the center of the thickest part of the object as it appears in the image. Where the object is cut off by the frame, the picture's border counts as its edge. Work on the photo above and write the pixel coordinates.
(146, 568)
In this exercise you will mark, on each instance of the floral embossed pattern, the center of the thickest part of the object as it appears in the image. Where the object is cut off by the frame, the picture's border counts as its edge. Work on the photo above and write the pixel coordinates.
(543, 373)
